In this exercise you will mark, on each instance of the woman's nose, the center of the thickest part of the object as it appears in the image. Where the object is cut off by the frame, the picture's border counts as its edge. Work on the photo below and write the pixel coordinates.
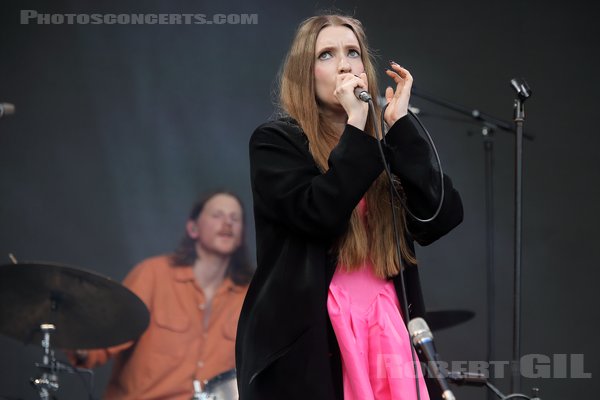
(344, 66)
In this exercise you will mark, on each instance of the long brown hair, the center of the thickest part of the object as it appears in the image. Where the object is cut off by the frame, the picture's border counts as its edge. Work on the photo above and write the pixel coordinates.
(371, 239)
(239, 269)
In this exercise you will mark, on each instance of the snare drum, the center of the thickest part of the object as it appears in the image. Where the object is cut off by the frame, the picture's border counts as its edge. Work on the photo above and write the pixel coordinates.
(222, 387)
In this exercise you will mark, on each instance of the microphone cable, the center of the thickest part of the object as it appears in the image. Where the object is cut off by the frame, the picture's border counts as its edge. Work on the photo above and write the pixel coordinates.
(405, 310)
(380, 137)
(394, 193)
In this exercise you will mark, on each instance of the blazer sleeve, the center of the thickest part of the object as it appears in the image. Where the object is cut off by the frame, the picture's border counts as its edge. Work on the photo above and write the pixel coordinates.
(290, 189)
(411, 161)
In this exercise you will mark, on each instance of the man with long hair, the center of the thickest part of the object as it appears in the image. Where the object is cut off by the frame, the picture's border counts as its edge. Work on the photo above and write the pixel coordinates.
(194, 297)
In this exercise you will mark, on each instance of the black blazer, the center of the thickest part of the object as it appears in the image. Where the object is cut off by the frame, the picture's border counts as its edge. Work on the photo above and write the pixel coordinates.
(286, 348)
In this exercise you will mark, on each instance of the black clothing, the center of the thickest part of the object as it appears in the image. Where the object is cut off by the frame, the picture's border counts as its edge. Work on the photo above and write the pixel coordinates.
(286, 348)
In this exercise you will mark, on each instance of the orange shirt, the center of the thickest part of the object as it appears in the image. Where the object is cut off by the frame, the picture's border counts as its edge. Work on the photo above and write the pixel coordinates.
(177, 347)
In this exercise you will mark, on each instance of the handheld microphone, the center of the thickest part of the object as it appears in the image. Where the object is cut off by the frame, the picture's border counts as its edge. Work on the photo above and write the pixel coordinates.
(422, 339)
(362, 94)
(6, 109)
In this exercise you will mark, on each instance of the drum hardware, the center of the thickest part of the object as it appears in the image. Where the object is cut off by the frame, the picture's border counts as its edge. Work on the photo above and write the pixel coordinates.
(49, 380)
(66, 307)
(198, 393)
(221, 387)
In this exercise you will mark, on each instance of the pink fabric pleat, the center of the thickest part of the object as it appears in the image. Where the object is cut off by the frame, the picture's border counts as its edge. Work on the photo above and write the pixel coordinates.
(373, 340)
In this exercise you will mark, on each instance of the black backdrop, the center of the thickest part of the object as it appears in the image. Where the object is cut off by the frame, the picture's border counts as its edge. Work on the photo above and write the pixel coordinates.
(119, 128)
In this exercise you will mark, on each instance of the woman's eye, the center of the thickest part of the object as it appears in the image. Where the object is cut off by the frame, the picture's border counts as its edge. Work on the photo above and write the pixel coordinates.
(325, 55)
(353, 53)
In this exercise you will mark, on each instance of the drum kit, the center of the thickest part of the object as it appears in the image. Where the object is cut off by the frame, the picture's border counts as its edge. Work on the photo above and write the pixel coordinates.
(65, 307)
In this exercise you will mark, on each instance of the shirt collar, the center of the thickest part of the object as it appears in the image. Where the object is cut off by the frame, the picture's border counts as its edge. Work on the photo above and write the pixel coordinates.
(183, 274)
(186, 274)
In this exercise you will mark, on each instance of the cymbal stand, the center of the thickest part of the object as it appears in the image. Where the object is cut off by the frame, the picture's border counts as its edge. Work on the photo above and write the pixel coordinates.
(49, 380)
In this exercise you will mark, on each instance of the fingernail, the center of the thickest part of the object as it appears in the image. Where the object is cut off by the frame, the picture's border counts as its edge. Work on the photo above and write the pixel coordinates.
(393, 62)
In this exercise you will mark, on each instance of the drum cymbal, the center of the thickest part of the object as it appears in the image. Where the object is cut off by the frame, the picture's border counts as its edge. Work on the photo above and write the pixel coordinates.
(443, 319)
(87, 309)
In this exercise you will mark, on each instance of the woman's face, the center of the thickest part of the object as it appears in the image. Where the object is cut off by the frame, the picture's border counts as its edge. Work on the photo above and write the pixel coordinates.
(337, 51)
(218, 228)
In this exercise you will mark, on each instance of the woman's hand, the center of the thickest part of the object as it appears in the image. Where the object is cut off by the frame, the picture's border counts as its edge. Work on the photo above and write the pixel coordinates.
(357, 110)
(397, 99)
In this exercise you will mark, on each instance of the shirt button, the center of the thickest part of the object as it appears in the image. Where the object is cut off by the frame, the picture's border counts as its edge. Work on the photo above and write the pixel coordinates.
(201, 306)
(200, 364)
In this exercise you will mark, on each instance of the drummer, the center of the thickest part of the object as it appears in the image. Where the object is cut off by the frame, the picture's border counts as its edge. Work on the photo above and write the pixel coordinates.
(194, 296)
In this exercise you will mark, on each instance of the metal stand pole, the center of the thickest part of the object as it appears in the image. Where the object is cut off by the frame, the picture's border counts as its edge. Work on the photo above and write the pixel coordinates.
(48, 381)
(488, 146)
(523, 93)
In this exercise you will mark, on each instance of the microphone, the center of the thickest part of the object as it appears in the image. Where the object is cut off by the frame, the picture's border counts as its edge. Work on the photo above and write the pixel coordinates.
(422, 339)
(362, 94)
(521, 87)
(6, 109)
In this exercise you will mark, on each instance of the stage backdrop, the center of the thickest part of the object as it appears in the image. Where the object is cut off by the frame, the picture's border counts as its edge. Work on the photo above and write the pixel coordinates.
(119, 127)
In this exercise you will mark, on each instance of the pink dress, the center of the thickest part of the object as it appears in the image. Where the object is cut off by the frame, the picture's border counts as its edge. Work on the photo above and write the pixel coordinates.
(373, 340)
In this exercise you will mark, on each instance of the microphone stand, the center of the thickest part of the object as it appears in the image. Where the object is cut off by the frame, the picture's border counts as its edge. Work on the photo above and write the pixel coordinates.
(477, 379)
(489, 124)
(474, 113)
(488, 150)
(523, 93)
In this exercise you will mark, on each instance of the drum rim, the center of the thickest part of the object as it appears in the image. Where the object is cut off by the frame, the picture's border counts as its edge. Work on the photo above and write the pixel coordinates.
(223, 376)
